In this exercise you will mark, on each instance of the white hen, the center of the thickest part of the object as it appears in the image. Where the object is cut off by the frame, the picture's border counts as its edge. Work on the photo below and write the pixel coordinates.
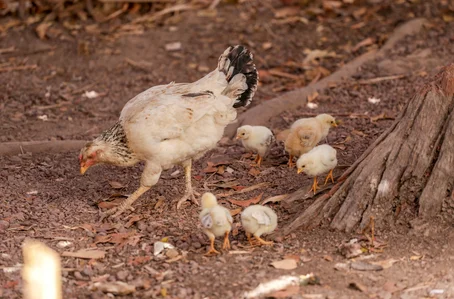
(306, 133)
(173, 124)
(317, 161)
(216, 221)
(258, 220)
(257, 139)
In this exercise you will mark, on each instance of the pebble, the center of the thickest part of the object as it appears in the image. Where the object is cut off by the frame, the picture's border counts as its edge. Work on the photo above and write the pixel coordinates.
(196, 245)
(79, 276)
(88, 271)
(171, 253)
(121, 275)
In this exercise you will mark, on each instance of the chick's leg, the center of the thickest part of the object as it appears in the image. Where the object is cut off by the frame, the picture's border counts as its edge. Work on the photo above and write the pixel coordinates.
(248, 235)
(290, 161)
(226, 244)
(150, 177)
(329, 176)
(259, 160)
(189, 193)
(314, 185)
(263, 242)
(212, 250)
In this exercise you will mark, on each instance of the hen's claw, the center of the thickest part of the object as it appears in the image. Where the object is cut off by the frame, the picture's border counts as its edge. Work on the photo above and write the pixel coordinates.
(188, 195)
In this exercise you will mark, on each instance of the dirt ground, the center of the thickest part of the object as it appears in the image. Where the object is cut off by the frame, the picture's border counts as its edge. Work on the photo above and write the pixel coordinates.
(43, 196)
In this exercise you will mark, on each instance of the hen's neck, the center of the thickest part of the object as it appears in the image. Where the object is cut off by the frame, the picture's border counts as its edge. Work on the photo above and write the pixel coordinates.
(117, 142)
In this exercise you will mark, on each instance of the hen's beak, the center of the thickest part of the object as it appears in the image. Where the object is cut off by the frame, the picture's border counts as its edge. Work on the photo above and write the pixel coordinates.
(300, 170)
(83, 168)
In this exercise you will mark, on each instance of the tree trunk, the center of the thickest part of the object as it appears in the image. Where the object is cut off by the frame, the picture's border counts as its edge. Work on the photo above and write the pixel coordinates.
(410, 164)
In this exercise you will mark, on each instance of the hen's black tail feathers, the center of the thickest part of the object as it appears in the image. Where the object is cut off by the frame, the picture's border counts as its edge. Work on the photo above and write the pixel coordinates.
(236, 60)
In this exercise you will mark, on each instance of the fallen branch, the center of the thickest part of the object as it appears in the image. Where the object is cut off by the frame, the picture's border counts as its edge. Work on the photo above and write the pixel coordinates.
(262, 113)
(15, 148)
(18, 68)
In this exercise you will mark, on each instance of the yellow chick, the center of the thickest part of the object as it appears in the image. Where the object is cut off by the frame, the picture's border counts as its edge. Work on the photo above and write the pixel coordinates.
(257, 139)
(216, 221)
(306, 133)
(319, 160)
(258, 220)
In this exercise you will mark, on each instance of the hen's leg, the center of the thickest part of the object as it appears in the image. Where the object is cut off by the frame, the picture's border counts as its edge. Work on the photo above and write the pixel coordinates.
(189, 193)
(329, 176)
(150, 177)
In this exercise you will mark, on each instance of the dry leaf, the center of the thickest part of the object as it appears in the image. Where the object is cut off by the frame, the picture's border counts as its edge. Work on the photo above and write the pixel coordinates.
(331, 5)
(41, 29)
(311, 97)
(359, 133)
(246, 203)
(116, 287)
(286, 12)
(416, 257)
(138, 260)
(377, 117)
(287, 293)
(286, 264)
(159, 203)
(448, 18)
(116, 185)
(267, 46)
(276, 198)
(385, 263)
(235, 212)
(367, 42)
(358, 286)
(133, 220)
(210, 168)
(85, 254)
(317, 54)
(254, 171)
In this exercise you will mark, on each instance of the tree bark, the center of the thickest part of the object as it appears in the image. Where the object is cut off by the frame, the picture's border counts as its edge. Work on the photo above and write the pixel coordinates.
(411, 163)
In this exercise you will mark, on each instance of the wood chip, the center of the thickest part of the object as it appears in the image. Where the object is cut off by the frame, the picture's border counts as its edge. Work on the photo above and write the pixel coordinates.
(286, 264)
(85, 254)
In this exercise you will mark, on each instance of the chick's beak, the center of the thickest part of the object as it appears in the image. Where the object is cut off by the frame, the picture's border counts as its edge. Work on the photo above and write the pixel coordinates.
(334, 124)
(300, 170)
(237, 137)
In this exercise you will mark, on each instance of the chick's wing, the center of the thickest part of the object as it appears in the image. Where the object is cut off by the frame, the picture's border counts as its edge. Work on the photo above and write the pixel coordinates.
(261, 217)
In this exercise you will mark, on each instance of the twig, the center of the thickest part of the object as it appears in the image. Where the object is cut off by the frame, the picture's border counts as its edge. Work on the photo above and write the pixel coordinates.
(214, 4)
(18, 68)
(145, 66)
(15, 54)
(116, 13)
(7, 50)
(380, 79)
(14, 148)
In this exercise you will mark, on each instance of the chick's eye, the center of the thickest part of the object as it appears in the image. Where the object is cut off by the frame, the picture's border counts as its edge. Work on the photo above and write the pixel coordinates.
(303, 166)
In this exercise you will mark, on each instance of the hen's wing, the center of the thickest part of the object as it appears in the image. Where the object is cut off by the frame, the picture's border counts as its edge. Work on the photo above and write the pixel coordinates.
(261, 217)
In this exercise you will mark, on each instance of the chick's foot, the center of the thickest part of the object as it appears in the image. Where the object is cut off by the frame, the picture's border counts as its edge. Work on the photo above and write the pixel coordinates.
(263, 242)
(212, 250)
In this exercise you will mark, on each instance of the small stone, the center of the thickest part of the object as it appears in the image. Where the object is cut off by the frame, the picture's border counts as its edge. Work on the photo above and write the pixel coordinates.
(196, 245)
(121, 275)
(79, 276)
(88, 271)
(172, 253)
(3, 225)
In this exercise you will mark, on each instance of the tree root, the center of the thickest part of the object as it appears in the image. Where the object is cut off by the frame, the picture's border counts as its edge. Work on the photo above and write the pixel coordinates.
(411, 163)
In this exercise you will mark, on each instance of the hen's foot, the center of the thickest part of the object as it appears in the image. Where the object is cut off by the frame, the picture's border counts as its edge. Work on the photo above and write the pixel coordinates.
(190, 194)
(115, 212)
